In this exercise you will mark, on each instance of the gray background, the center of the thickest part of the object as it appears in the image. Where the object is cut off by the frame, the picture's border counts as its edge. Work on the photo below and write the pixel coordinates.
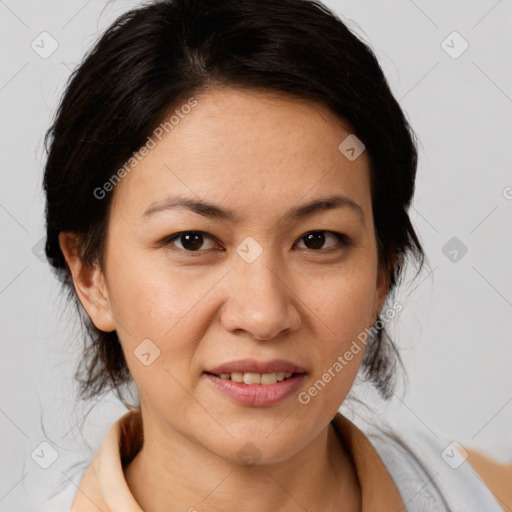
(454, 330)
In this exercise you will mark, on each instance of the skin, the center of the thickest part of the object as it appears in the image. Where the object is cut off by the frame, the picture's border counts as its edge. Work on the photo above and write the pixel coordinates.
(259, 154)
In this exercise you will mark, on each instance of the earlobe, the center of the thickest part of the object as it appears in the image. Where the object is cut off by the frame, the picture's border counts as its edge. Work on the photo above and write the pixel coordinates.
(89, 282)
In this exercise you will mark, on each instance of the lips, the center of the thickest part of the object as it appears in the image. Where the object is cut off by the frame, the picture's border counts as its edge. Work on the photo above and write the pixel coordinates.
(254, 366)
(257, 383)
(252, 372)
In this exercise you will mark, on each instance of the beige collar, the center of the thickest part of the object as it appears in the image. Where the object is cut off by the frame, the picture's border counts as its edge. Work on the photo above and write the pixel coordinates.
(379, 492)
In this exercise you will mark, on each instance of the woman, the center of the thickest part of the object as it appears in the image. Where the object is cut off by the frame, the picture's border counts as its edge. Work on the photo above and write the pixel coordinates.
(227, 194)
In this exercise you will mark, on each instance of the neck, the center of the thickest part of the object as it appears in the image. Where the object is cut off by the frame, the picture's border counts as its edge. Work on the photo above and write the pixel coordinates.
(172, 473)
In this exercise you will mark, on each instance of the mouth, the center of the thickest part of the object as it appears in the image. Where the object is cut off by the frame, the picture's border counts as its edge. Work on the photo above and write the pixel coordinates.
(256, 383)
(251, 378)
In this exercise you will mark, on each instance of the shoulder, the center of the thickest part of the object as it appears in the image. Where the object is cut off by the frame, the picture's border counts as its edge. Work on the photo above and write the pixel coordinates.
(104, 486)
(429, 471)
(496, 476)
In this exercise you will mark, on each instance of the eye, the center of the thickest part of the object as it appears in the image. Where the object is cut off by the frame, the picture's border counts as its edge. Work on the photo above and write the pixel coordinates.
(314, 240)
(190, 241)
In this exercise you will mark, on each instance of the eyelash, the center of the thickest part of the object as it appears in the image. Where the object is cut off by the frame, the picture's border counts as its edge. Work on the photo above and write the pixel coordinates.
(344, 240)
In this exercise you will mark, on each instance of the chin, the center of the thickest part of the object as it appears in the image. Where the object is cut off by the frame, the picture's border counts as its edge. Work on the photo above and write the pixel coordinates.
(270, 442)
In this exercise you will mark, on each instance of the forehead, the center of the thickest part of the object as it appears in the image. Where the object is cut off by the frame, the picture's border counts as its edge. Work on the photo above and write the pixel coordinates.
(251, 149)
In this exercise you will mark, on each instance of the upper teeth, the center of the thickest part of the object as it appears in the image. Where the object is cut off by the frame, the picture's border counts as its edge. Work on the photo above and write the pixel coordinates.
(256, 378)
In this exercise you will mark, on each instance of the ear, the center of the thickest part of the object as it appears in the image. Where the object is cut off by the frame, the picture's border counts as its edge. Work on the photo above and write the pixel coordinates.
(89, 283)
(382, 286)
(381, 290)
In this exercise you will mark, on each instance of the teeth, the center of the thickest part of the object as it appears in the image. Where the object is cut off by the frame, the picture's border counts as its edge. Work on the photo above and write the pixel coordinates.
(256, 378)
(252, 378)
(269, 378)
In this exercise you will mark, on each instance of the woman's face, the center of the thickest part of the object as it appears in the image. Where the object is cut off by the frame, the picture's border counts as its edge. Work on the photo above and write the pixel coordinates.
(255, 292)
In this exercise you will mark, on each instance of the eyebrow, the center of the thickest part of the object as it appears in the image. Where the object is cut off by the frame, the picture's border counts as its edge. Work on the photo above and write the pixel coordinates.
(214, 211)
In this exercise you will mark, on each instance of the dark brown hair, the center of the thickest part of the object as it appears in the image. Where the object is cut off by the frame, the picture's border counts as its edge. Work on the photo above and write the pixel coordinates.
(154, 57)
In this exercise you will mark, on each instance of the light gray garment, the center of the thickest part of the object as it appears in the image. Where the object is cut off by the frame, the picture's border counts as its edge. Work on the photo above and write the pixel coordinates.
(429, 472)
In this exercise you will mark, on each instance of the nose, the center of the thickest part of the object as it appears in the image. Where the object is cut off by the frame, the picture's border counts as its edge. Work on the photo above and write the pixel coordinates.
(261, 301)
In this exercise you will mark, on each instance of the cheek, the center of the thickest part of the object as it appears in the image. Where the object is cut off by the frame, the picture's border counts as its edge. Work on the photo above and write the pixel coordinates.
(344, 304)
(171, 307)
(343, 311)
(151, 299)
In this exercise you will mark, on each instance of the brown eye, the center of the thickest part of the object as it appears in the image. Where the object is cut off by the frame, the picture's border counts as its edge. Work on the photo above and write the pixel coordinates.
(190, 241)
(315, 240)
